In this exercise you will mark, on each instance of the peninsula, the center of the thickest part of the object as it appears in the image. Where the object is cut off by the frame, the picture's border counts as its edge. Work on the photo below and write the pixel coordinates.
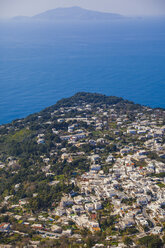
(88, 171)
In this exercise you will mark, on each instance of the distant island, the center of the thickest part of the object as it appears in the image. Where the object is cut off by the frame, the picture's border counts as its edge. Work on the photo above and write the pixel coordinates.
(72, 14)
(86, 172)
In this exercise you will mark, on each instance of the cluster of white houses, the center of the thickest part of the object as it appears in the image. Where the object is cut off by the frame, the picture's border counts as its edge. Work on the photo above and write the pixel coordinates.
(124, 183)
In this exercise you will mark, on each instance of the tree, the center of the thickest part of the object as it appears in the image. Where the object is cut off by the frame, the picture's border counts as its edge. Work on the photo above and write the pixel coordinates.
(152, 241)
(128, 241)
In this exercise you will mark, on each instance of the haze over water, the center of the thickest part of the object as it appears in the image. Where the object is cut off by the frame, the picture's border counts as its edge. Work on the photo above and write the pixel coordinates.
(41, 63)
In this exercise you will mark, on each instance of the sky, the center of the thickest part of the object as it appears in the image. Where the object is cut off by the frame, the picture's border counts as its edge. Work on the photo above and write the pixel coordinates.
(11, 8)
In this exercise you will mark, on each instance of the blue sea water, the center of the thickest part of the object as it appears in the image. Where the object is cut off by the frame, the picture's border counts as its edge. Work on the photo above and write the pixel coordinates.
(41, 63)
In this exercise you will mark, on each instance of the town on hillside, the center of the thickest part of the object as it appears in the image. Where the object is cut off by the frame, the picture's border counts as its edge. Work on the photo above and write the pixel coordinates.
(86, 172)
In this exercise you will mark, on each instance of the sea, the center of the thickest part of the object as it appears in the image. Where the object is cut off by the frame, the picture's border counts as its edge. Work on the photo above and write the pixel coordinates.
(42, 62)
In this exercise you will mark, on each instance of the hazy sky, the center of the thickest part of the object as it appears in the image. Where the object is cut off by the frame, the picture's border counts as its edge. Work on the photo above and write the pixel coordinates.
(10, 8)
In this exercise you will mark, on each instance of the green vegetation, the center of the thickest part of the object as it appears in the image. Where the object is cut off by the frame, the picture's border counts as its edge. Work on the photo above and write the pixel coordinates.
(151, 242)
(129, 201)
(128, 241)
(161, 185)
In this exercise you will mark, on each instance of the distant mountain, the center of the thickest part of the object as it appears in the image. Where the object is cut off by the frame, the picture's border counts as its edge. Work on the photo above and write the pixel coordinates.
(73, 14)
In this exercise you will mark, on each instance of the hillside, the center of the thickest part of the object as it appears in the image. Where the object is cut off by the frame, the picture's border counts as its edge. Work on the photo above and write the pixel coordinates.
(69, 172)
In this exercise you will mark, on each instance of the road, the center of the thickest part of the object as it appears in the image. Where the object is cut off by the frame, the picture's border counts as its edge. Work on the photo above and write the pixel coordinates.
(144, 212)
